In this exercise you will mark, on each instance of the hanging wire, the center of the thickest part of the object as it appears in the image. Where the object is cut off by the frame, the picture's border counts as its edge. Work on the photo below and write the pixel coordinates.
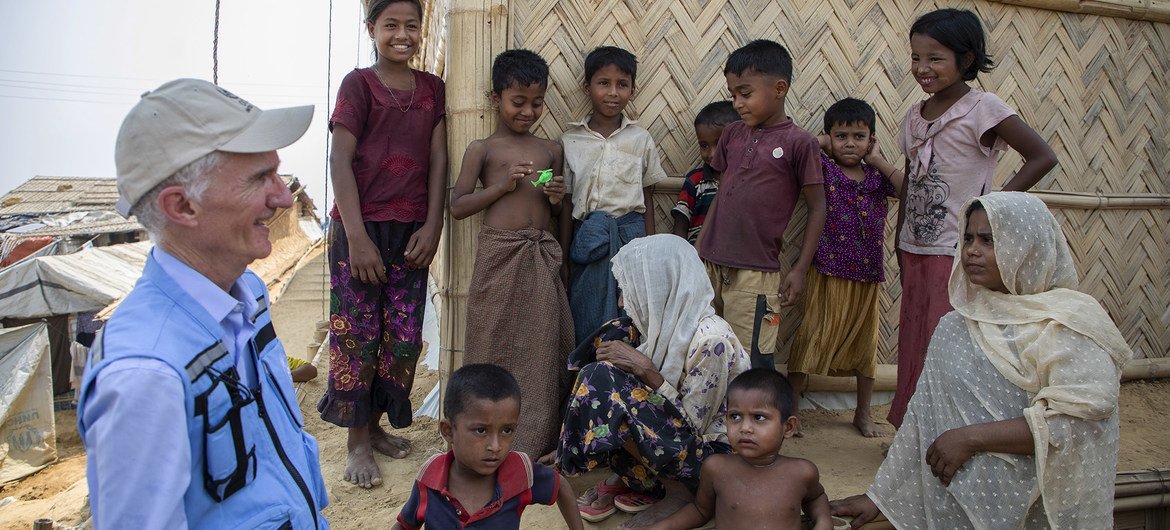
(215, 48)
(328, 115)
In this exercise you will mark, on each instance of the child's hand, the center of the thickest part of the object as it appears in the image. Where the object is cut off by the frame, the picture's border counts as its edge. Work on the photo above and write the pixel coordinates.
(365, 263)
(874, 154)
(825, 142)
(793, 287)
(519, 172)
(421, 247)
(555, 189)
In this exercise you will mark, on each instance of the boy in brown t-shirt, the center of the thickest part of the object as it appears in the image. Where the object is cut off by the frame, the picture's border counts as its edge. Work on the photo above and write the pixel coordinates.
(767, 161)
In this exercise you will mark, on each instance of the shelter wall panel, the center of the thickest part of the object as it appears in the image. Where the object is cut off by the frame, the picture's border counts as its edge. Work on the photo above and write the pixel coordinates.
(1096, 88)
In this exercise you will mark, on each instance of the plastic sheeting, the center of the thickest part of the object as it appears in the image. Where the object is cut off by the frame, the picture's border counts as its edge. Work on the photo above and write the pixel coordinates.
(88, 280)
(28, 437)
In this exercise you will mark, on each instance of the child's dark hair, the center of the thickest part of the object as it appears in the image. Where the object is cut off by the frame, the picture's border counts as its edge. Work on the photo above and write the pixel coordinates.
(603, 56)
(478, 381)
(518, 68)
(717, 114)
(768, 381)
(961, 32)
(764, 57)
(849, 111)
(378, 6)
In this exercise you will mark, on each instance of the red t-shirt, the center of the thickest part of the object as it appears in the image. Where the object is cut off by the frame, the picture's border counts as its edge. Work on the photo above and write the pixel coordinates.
(764, 169)
(391, 164)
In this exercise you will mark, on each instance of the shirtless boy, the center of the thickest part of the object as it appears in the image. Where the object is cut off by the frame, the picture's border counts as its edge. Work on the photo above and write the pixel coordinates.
(759, 418)
(518, 314)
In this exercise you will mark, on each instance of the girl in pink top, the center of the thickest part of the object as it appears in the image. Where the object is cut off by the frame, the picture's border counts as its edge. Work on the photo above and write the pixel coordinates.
(951, 142)
(389, 166)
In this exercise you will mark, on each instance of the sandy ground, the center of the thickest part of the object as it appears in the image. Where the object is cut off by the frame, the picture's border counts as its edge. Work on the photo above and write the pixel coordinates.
(847, 461)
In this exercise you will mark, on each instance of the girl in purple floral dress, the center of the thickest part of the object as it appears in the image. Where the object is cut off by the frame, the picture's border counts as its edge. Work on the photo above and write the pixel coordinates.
(838, 335)
(389, 166)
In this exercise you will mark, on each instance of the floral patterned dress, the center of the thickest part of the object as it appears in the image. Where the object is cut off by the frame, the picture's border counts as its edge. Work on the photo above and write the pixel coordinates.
(674, 429)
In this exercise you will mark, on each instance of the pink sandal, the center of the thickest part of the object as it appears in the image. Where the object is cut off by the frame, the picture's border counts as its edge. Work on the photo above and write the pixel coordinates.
(596, 515)
(634, 502)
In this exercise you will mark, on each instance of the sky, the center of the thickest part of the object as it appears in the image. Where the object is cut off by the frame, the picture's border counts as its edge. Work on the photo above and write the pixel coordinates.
(70, 70)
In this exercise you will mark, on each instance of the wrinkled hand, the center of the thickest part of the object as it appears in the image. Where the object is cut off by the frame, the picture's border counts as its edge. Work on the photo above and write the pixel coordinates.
(517, 173)
(860, 507)
(365, 262)
(627, 359)
(555, 189)
(421, 247)
(948, 453)
(792, 288)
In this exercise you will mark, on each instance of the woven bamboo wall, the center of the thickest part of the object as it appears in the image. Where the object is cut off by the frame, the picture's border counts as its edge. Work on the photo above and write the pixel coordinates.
(1097, 88)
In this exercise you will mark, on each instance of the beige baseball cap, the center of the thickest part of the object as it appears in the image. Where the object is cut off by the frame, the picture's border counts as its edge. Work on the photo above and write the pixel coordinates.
(186, 119)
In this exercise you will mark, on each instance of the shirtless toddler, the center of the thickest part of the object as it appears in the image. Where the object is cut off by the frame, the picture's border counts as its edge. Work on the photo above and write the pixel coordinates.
(759, 418)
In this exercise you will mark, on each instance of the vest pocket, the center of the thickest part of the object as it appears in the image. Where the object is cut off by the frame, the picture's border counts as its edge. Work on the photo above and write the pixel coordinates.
(274, 518)
(229, 453)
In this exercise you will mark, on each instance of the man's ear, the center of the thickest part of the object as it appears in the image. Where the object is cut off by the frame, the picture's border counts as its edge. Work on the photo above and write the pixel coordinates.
(791, 425)
(446, 430)
(176, 206)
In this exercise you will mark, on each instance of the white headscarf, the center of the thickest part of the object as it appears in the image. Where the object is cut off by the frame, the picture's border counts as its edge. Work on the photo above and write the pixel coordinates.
(1026, 335)
(666, 292)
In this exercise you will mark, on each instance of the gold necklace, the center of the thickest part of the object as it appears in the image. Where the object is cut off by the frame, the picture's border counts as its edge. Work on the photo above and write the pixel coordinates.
(398, 103)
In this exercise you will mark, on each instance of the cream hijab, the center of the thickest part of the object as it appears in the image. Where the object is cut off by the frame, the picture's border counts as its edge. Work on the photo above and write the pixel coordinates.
(666, 293)
(1036, 266)
(1026, 336)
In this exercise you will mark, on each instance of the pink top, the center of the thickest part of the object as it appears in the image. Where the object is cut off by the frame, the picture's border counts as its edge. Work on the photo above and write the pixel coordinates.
(764, 169)
(391, 164)
(948, 165)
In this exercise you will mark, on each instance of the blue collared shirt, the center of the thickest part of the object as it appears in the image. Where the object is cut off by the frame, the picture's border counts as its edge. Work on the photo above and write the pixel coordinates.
(136, 412)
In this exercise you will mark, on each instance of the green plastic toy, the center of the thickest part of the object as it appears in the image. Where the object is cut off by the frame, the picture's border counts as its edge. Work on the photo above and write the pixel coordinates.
(545, 177)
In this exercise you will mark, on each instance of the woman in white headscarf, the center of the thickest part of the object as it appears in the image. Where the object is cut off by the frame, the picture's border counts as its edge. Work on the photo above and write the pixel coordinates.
(1014, 423)
(655, 411)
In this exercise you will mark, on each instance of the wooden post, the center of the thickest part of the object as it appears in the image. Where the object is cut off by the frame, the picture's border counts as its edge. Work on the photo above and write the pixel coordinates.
(43, 524)
(477, 32)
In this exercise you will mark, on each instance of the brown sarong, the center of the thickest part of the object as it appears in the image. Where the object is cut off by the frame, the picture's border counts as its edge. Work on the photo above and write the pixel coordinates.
(518, 317)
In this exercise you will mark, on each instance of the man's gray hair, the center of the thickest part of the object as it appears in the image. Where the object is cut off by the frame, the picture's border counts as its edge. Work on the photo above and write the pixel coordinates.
(194, 179)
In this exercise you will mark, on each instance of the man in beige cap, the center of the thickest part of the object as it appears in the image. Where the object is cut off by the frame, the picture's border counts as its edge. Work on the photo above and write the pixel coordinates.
(187, 409)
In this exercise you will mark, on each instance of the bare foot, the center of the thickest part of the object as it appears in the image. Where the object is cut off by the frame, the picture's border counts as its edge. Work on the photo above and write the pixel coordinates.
(677, 496)
(360, 467)
(388, 444)
(865, 425)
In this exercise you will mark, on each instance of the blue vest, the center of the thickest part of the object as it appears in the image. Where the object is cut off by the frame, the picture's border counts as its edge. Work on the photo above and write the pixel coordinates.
(252, 464)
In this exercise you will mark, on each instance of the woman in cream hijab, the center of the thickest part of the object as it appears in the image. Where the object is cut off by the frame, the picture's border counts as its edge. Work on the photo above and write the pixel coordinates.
(653, 412)
(1014, 423)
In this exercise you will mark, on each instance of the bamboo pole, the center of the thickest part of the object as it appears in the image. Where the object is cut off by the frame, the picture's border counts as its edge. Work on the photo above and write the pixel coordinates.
(1148, 10)
(477, 32)
(886, 376)
(1146, 369)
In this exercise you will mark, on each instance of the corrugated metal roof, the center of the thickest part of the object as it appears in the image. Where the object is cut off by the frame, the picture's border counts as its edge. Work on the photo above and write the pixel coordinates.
(40, 196)
(101, 227)
(45, 195)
